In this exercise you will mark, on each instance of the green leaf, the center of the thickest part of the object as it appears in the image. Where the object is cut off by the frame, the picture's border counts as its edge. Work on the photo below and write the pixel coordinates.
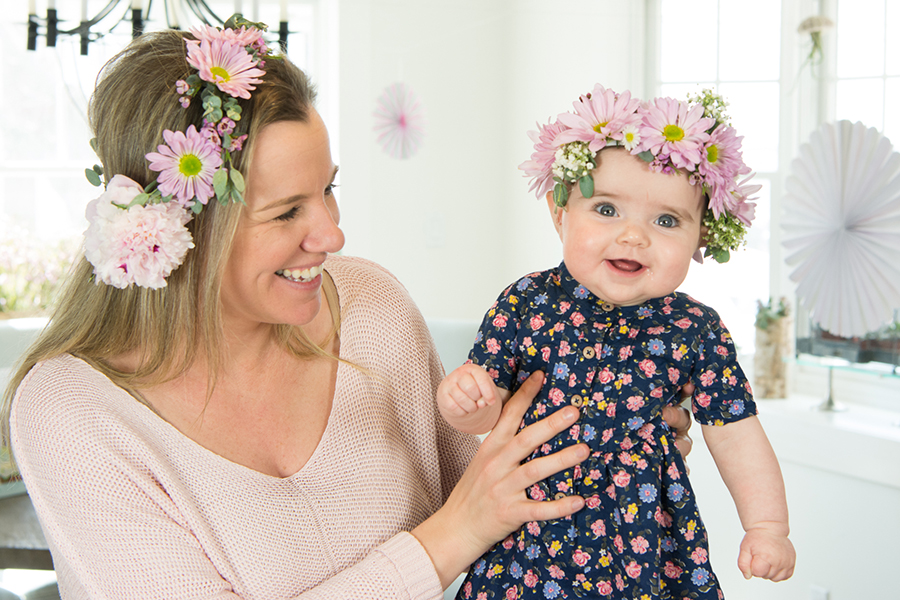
(220, 182)
(93, 143)
(196, 207)
(93, 177)
(720, 255)
(646, 156)
(237, 196)
(212, 100)
(560, 195)
(238, 179)
(586, 185)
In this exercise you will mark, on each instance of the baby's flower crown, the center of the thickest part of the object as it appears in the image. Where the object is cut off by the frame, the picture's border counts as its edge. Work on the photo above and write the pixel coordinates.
(138, 235)
(693, 137)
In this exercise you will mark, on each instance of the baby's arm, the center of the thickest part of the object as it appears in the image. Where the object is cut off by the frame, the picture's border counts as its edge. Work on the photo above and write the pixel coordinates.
(469, 400)
(750, 470)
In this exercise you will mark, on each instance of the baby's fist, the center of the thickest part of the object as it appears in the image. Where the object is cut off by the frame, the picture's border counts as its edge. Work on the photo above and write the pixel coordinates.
(767, 555)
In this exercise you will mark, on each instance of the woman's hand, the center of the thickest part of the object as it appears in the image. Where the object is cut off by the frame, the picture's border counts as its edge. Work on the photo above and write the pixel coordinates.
(490, 502)
(679, 419)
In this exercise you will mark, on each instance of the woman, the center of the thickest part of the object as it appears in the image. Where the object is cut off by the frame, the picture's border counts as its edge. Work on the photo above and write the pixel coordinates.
(237, 413)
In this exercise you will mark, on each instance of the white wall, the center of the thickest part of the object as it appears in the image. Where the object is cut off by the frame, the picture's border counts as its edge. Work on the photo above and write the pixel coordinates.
(456, 223)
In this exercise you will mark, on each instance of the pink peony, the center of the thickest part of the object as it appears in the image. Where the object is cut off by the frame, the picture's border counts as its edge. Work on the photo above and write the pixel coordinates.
(141, 245)
(600, 116)
(186, 165)
(674, 131)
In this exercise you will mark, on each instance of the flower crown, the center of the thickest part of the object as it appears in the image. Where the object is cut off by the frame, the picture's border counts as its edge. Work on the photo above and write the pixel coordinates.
(693, 137)
(137, 235)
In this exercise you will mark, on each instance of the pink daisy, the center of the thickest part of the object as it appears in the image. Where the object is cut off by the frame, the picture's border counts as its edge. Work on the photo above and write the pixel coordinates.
(186, 165)
(540, 166)
(600, 115)
(245, 36)
(225, 63)
(739, 202)
(673, 130)
(721, 162)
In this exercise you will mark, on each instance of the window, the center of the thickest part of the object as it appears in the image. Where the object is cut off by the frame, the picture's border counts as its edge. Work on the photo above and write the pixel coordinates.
(750, 82)
(45, 145)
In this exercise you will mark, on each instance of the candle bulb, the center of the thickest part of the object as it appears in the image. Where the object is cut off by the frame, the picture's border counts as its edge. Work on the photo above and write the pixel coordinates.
(83, 10)
(51, 4)
(238, 7)
(136, 5)
(32, 8)
(284, 16)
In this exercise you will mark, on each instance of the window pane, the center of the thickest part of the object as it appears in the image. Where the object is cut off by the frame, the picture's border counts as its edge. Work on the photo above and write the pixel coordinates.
(753, 108)
(685, 55)
(892, 56)
(892, 116)
(861, 100)
(860, 38)
(744, 25)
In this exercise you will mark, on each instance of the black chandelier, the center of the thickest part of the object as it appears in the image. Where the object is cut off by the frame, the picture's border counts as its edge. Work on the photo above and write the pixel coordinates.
(135, 11)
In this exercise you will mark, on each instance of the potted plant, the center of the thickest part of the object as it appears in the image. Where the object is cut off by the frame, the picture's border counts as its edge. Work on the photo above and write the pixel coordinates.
(772, 346)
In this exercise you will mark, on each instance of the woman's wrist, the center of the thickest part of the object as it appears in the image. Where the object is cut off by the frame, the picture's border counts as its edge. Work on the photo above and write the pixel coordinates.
(450, 550)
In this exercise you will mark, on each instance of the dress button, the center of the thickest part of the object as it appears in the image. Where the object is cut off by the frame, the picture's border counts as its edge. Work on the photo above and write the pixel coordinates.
(607, 306)
(588, 352)
(577, 401)
(559, 495)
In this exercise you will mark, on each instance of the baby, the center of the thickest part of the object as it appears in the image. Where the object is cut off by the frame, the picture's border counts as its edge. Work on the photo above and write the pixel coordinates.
(635, 191)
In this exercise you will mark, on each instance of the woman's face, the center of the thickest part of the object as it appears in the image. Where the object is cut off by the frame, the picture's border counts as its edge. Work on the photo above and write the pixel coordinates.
(290, 224)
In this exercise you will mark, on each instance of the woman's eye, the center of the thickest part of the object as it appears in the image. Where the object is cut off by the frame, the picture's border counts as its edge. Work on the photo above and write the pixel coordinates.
(607, 210)
(288, 215)
(329, 191)
(667, 221)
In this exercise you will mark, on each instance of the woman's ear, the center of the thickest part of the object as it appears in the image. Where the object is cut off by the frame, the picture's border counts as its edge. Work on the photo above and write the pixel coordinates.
(555, 213)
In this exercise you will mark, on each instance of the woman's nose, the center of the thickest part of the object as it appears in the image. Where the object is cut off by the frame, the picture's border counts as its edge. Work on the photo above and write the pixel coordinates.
(325, 235)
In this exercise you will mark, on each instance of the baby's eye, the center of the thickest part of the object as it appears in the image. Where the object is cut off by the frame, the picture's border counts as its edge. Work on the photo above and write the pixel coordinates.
(607, 210)
(667, 221)
(288, 215)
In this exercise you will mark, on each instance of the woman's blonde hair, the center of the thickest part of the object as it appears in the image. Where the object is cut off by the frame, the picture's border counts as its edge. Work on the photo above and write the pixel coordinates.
(133, 102)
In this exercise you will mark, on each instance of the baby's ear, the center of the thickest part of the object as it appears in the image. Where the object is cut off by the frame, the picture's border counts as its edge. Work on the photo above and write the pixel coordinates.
(698, 255)
(556, 212)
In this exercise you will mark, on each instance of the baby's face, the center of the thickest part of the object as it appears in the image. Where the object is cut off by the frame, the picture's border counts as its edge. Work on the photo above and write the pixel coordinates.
(634, 238)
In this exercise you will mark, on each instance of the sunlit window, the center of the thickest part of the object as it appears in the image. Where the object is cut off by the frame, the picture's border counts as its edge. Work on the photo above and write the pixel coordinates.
(749, 80)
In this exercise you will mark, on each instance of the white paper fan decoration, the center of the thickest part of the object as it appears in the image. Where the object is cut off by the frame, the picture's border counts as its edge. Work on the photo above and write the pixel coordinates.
(842, 228)
(399, 121)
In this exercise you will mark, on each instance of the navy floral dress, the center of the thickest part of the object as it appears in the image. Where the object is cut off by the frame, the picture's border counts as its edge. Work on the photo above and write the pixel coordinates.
(640, 535)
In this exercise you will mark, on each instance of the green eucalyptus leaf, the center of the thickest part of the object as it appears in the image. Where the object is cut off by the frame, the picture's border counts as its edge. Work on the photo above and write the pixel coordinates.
(93, 177)
(560, 195)
(237, 196)
(196, 207)
(586, 185)
(237, 179)
(646, 156)
(93, 143)
(220, 182)
(212, 100)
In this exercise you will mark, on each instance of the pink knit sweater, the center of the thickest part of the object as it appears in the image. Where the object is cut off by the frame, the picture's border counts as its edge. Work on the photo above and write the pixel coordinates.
(133, 509)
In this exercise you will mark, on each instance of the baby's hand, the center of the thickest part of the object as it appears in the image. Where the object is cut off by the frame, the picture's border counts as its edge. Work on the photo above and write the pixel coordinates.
(466, 390)
(767, 554)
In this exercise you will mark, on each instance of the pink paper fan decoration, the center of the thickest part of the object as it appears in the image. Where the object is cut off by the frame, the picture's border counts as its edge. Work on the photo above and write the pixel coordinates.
(399, 122)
